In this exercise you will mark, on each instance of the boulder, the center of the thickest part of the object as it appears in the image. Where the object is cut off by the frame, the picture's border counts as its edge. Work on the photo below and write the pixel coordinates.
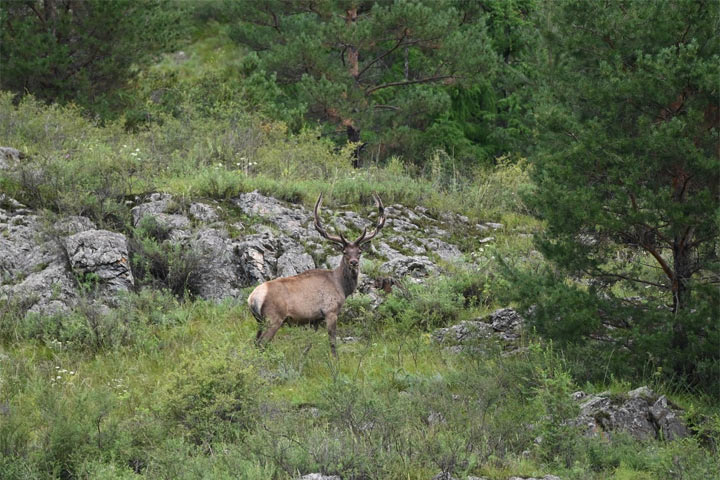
(9, 157)
(665, 417)
(203, 213)
(25, 246)
(294, 220)
(48, 291)
(444, 250)
(158, 203)
(265, 256)
(415, 267)
(503, 325)
(221, 276)
(463, 332)
(640, 413)
(104, 254)
(257, 257)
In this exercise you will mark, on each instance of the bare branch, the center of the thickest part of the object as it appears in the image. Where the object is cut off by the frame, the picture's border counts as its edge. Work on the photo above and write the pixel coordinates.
(380, 57)
(409, 82)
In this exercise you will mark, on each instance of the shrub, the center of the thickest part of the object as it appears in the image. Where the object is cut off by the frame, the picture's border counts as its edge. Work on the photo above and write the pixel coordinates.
(437, 303)
(213, 400)
(161, 263)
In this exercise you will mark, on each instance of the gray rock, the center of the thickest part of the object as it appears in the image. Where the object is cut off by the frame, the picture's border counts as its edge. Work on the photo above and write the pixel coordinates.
(292, 262)
(49, 291)
(25, 248)
(408, 244)
(347, 221)
(72, 225)
(401, 225)
(642, 392)
(638, 413)
(442, 249)
(384, 250)
(414, 267)
(203, 213)
(494, 226)
(443, 476)
(262, 257)
(503, 325)
(104, 254)
(436, 418)
(669, 425)
(319, 476)
(158, 203)
(221, 276)
(485, 240)
(505, 320)
(295, 221)
(9, 157)
(257, 257)
(463, 332)
(173, 221)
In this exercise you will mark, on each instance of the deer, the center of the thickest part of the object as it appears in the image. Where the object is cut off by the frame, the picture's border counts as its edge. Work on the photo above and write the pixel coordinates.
(314, 295)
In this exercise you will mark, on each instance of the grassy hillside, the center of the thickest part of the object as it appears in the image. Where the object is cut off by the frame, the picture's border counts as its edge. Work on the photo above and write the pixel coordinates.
(174, 388)
(167, 386)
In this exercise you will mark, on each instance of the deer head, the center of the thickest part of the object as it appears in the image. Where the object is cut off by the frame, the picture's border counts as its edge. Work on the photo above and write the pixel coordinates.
(351, 250)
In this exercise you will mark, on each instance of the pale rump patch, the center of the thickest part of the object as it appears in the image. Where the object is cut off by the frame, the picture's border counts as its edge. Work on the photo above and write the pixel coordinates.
(257, 298)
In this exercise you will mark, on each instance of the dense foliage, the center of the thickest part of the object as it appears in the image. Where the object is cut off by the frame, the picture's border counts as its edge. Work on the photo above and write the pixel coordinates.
(628, 172)
(82, 51)
(397, 77)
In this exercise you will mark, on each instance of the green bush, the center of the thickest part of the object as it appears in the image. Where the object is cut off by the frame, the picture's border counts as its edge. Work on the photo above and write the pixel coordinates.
(161, 263)
(213, 399)
(440, 302)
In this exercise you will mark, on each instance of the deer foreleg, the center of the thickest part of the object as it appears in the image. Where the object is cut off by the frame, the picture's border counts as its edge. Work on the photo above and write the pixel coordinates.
(331, 321)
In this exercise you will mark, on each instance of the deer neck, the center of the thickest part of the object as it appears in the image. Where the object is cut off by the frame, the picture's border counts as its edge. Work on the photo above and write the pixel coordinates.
(346, 278)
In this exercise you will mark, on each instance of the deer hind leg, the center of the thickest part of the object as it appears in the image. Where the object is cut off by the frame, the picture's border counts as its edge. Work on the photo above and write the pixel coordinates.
(267, 328)
(331, 321)
(274, 319)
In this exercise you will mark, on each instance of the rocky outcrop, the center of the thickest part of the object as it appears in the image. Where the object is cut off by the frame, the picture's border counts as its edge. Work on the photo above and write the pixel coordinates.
(220, 277)
(276, 239)
(49, 291)
(640, 413)
(33, 266)
(503, 325)
(103, 254)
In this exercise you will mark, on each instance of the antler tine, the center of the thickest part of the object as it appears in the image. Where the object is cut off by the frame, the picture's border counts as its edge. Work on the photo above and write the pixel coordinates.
(378, 226)
(321, 230)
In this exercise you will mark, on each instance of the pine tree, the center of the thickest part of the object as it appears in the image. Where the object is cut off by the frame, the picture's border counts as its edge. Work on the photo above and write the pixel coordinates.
(80, 50)
(366, 67)
(628, 168)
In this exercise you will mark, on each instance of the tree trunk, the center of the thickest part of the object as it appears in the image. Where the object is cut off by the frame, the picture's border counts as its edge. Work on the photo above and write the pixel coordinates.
(352, 51)
(353, 135)
(681, 291)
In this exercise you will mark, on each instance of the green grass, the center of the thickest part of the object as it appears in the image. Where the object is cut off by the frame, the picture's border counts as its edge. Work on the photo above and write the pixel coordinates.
(364, 414)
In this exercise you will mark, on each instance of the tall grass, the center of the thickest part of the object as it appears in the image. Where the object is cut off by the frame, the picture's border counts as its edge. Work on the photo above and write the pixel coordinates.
(78, 166)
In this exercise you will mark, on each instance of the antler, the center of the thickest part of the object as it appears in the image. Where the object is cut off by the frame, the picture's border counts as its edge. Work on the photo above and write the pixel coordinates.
(321, 230)
(364, 238)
